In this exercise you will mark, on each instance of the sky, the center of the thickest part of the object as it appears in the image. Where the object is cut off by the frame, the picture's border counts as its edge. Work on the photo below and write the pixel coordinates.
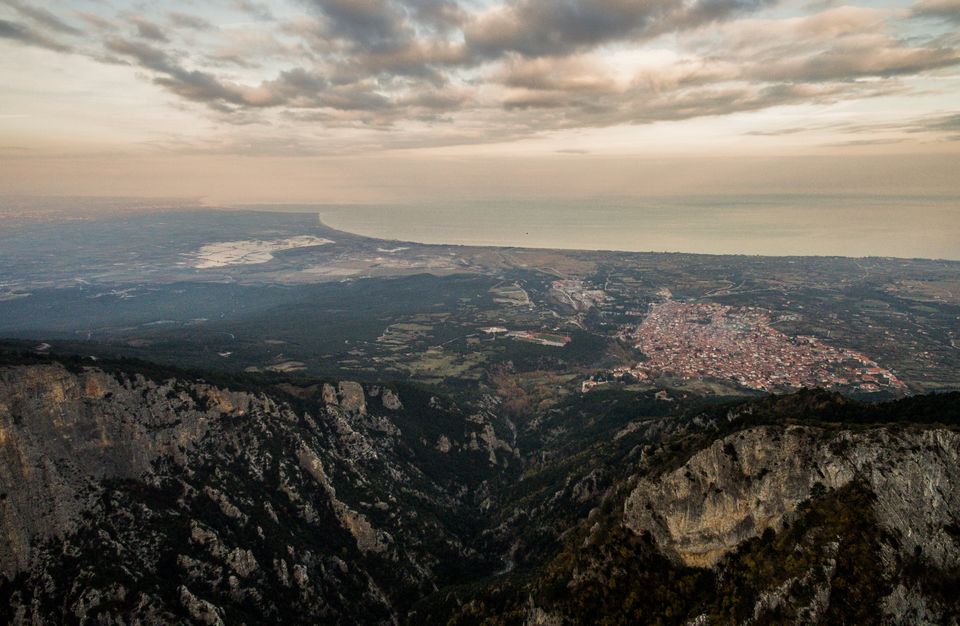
(406, 100)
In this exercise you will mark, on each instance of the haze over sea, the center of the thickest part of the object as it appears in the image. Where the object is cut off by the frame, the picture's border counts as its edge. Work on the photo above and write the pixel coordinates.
(778, 225)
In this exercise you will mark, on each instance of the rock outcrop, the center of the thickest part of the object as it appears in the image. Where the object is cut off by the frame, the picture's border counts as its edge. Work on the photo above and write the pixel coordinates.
(754, 480)
(183, 501)
(352, 398)
(391, 400)
(132, 496)
(63, 432)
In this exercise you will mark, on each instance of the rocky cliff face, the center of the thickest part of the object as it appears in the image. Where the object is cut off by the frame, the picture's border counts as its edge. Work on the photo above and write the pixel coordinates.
(61, 433)
(126, 498)
(132, 496)
(794, 510)
(757, 480)
(753, 480)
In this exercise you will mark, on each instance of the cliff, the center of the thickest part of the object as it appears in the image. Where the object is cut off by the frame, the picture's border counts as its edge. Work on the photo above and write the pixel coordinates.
(134, 494)
(129, 498)
(753, 480)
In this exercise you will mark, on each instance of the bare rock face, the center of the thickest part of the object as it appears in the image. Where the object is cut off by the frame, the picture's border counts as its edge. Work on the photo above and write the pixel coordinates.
(200, 610)
(209, 505)
(352, 398)
(482, 436)
(391, 400)
(368, 538)
(755, 479)
(329, 394)
(62, 431)
(125, 499)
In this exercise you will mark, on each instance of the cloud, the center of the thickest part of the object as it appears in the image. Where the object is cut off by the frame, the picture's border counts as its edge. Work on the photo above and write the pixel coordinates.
(96, 21)
(570, 75)
(185, 20)
(192, 85)
(938, 126)
(742, 65)
(413, 38)
(839, 44)
(948, 10)
(26, 35)
(149, 30)
(949, 123)
(433, 72)
(44, 18)
(865, 142)
(441, 15)
(247, 47)
(298, 88)
(255, 9)
(374, 25)
(537, 28)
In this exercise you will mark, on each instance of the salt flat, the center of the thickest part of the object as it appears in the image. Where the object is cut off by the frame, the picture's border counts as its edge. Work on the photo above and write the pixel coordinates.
(249, 252)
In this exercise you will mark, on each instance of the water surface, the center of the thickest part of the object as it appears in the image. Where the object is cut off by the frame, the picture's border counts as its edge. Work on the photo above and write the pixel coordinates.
(902, 226)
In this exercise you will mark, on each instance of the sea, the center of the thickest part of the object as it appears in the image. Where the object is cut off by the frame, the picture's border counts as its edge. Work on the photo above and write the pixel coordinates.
(774, 225)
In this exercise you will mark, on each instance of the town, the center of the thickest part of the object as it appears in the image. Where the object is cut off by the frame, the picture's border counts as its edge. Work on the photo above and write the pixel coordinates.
(709, 340)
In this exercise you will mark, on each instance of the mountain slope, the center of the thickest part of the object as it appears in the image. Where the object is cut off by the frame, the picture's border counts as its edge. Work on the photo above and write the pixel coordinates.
(162, 500)
(798, 509)
(131, 493)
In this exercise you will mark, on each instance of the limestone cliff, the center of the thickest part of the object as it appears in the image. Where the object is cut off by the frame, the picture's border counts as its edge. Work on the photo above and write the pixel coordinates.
(755, 479)
(133, 494)
(62, 432)
(178, 500)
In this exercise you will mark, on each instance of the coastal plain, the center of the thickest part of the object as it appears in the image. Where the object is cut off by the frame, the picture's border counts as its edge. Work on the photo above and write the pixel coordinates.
(282, 292)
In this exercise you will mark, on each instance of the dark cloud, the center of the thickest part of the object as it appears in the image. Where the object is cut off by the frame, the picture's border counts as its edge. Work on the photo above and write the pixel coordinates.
(26, 35)
(424, 60)
(436, 100)
(185, 20)
(378, 26)
(949, 123)
(442, 15)
(297, 88)
(948, 10)
(374, 25)
(149, 30)
(405, 37)
(383, 61)
(44, 18)
(189, 84)
(558, 27)
(257, 10)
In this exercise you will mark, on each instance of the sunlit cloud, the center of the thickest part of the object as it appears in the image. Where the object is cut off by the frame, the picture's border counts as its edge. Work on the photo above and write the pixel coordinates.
(335, 76)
